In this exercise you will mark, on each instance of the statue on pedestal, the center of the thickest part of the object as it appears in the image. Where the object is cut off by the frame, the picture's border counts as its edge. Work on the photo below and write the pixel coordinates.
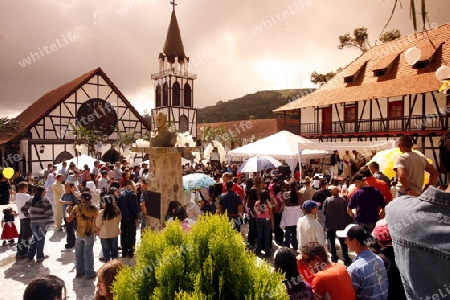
(163, 138)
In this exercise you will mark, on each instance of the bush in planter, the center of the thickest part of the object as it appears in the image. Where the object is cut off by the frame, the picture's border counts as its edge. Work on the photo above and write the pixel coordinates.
(210, 262)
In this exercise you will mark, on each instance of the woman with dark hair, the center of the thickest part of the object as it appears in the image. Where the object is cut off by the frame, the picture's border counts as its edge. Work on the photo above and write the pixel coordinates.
(106, 276)
(173, 205)
(181, 215)
(291, 213)
(40, 212)
(286, 262)
(45, 287)
(107, 223)
(264, 218)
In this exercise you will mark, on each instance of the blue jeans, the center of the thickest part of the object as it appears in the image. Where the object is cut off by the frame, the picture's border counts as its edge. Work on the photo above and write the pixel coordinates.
(263, 232)
(37, 241)
(290, 237)
(110, 248)
(84, 255)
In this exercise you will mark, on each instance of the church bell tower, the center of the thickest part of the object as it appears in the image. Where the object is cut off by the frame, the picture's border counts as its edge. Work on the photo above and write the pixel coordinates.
(174, 85)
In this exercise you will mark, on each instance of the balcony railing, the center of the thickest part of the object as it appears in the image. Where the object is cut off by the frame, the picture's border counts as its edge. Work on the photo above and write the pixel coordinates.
(174, 73)
(415, 123)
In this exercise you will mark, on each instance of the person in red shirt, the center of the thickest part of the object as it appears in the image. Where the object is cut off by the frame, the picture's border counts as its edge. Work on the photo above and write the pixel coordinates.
(377, 183)
(329, 279)
(236, 188)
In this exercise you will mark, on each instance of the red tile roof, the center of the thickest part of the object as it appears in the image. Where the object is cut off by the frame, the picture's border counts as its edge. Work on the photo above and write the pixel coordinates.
(45, 104)
(257, 128)
(402, 79)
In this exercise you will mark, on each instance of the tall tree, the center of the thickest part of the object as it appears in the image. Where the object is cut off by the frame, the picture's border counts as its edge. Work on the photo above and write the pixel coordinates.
(321, 78)
(360, 39)
(391, 35)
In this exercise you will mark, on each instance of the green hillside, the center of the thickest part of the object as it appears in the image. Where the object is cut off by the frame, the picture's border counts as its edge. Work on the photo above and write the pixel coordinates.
(259, 105)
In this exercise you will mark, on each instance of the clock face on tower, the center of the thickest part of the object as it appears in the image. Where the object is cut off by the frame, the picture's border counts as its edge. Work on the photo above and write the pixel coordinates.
(98, 115)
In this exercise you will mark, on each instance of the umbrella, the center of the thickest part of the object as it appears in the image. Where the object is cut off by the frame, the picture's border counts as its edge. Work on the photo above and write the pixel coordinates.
(259, 163)
(196, 181)
(386, 160)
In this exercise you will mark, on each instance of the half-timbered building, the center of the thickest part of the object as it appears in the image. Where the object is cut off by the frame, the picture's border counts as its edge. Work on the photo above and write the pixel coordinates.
(92, 102)
(381, 95)
(174, 85)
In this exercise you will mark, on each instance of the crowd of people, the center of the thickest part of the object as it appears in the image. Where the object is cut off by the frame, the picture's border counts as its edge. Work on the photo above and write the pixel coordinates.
(303, 219)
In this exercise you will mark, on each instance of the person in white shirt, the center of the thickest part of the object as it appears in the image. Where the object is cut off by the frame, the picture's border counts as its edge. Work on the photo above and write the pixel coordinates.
(308, 227)
(103, 183)
(64, 171)
(25, 224)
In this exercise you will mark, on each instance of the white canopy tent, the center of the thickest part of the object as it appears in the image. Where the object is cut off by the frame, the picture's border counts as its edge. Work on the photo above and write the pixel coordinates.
(365, 148)
(80, 161)
(282, 146)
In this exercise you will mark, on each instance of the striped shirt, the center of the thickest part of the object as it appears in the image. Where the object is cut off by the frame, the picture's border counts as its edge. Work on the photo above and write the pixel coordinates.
(369, 276)
(40, 212)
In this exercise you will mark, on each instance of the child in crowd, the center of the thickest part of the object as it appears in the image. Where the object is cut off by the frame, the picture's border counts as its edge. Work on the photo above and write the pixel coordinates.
(181, 215)
(106, 276)
(9, 228)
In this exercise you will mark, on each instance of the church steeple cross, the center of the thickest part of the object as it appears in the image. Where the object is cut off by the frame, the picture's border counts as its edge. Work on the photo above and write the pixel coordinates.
(173, 4)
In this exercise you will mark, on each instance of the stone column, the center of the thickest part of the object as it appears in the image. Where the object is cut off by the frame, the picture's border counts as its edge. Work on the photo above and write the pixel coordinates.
(165, 166)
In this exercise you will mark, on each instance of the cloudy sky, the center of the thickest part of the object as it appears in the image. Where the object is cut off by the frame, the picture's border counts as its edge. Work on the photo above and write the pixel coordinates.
(236, 47)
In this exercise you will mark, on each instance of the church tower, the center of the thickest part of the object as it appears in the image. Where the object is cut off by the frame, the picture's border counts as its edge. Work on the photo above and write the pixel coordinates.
(174, 85)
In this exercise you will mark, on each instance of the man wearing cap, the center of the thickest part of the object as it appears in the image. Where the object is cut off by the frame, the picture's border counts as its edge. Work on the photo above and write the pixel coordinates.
(329, 279)
(85, 213)
(367, 272)
(366, 201)
(383, 238)
(308, 227)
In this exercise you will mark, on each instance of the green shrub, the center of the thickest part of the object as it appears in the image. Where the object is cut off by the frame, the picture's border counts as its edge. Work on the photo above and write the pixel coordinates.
(209, 262)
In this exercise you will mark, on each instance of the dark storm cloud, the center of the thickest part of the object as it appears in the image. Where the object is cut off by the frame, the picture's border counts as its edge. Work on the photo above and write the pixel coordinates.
(235, 47)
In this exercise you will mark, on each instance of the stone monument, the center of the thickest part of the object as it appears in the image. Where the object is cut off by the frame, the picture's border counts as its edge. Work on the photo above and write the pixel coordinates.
(165, 173)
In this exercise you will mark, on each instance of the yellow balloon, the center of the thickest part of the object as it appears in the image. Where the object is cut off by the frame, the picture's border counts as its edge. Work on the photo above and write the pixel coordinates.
(8, 172)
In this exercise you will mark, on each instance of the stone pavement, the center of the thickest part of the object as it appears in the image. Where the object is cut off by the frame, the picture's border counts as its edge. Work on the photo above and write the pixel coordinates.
(16, 274)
